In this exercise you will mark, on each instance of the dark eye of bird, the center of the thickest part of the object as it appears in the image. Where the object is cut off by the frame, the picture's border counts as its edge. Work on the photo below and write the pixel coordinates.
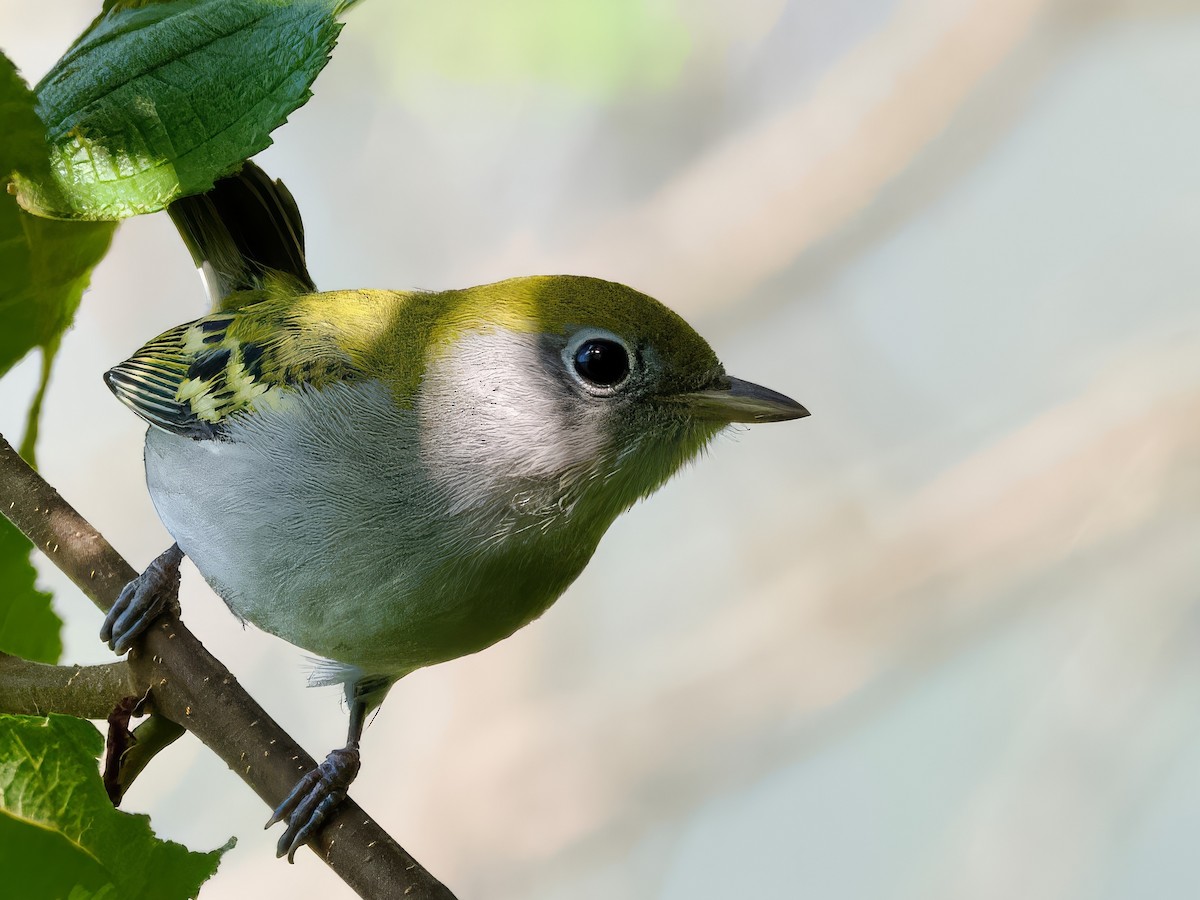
(602, 362)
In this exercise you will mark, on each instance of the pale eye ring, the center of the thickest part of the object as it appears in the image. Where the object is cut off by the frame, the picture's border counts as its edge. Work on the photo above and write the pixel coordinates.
(602, 362)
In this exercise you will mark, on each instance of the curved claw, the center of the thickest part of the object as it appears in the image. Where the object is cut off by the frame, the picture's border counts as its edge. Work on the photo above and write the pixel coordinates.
(313, 798)
(142, 601)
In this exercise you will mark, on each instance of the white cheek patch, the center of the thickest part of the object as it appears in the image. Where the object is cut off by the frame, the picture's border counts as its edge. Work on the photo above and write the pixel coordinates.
(492, 412)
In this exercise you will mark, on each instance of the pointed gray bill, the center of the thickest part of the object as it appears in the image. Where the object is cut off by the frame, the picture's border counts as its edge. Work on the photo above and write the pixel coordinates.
(742, 401)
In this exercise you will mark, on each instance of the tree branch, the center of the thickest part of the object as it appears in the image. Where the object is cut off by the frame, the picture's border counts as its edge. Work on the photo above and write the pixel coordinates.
(192, 688)
(88, 692)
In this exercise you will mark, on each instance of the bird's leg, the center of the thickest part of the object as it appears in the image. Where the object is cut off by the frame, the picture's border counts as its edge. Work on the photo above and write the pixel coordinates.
(316, 794)
(143, 600)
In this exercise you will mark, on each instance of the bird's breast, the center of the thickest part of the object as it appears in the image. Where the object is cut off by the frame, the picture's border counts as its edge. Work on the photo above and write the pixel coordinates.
(325, 522)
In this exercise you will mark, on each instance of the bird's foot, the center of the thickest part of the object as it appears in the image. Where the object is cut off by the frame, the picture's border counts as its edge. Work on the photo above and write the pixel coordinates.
(314, 798)
(143, 600)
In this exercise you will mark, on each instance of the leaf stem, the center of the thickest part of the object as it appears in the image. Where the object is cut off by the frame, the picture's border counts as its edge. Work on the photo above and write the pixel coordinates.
(149, 739)
(34, 418)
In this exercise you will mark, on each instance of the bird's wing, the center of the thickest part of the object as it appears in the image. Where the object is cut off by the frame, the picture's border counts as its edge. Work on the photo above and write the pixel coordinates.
(192, 379)
(245, 234)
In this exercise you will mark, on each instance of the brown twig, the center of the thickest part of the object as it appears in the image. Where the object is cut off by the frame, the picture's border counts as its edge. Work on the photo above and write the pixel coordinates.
(88, 692)
(192, 688)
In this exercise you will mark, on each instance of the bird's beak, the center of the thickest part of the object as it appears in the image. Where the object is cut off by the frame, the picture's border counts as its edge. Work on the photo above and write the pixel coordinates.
(734, 400)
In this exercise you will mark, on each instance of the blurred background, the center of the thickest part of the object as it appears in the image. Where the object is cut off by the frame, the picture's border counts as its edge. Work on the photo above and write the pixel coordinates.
(937, 641)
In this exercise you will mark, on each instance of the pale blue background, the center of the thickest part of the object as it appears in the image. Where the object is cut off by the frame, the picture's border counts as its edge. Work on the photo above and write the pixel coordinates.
(937, 641)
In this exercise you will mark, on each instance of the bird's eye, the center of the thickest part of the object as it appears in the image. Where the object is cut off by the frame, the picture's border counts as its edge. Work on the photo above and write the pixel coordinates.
(602, 362)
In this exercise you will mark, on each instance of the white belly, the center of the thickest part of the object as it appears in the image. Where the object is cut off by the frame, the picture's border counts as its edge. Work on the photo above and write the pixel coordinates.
(322, 526)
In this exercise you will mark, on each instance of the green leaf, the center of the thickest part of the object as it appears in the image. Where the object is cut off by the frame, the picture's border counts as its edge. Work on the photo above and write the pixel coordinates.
(29, 627)
(157, 101)
(44, 268)
(22, 139)
(44, 265)
(60, 836)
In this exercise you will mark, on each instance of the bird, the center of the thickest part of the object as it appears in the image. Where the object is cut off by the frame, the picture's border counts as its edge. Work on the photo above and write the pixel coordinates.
(394, 479)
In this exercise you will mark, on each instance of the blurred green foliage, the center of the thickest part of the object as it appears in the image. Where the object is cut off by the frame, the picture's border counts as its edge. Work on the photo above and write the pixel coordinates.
(29, 627)
(597, 47)
(45, 267)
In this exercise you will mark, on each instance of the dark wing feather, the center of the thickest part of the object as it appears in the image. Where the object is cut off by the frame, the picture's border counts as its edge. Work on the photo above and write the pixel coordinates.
(149, 384)
(193, 379)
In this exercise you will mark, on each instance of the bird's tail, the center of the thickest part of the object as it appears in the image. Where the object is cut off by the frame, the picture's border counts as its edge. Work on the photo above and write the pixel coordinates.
(243, 234)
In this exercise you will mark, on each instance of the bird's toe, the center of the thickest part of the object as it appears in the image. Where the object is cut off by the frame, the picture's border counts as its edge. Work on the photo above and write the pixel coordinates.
(312, 800)
(142, 600)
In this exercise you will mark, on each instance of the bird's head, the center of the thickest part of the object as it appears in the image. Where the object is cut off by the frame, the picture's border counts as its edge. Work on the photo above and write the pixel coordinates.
(553, 390)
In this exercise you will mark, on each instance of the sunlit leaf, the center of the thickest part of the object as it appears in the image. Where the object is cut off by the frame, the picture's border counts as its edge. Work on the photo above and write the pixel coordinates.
(157, 101)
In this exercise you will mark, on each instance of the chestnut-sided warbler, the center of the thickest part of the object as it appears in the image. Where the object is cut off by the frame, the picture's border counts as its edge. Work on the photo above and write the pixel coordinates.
(392, 479)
